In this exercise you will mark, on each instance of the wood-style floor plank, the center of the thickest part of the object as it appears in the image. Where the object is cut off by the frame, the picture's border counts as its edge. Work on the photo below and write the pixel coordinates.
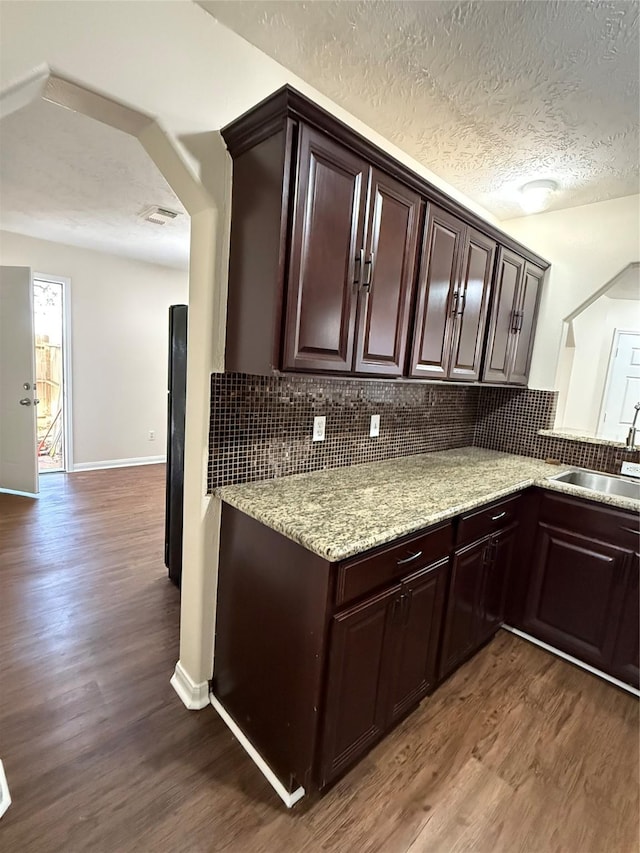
(518, 752)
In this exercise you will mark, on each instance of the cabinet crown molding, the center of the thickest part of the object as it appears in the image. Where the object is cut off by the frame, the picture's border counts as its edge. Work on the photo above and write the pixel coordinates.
(270, 115)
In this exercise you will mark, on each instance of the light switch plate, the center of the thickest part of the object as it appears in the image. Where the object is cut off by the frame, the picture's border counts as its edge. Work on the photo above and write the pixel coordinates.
(374, 428)
(319, 425)
(631, 469)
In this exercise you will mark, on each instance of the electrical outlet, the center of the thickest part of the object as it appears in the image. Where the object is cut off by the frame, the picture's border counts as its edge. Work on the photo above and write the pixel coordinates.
(631, 469)
(319, 425)
(374, 426)
(152, 435)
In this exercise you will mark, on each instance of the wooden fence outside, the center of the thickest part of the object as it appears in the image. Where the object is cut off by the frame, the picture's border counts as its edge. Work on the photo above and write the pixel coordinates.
(48, 380)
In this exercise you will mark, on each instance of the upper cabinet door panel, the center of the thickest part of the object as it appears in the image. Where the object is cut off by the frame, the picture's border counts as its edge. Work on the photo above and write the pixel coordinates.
(387, 276)
(509, 272)
(437, 284)
(328, 224)
(471, 311)
(525, 323)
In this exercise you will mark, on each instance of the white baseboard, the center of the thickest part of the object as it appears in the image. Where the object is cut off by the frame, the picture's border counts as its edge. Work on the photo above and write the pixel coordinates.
(119, 463)
(194, 696)
(572, 660)
(289, 798)
(5, 797)
(20, 494)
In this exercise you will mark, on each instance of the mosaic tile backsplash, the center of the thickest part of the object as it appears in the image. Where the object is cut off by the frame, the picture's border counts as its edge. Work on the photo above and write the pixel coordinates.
(261, 426)
(508, 419)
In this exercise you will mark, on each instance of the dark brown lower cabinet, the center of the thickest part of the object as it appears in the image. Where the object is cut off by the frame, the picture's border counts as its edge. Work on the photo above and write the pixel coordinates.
(317, 660)
(582, 593)
(382, 662)
(355, 710)
(625, 663)
(476, 601)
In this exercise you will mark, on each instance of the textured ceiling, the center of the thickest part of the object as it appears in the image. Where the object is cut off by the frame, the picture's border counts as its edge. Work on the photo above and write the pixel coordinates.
(70, 179)
(488, 95)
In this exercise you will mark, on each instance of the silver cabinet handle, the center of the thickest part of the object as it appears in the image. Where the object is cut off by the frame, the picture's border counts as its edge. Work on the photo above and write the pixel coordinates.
(498, 517)
(25, 401)
(410, 559)
(360, 262)
(368, 272)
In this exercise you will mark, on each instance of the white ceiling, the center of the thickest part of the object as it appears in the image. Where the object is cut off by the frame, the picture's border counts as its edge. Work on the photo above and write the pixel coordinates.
(488, 95)
(70, 179)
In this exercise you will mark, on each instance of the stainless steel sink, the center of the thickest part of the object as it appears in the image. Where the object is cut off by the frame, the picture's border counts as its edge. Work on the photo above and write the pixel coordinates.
(608, 484)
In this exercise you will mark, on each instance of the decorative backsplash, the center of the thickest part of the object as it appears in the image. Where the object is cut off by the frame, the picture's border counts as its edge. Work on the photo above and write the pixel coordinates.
(261, 426)
(509, 419)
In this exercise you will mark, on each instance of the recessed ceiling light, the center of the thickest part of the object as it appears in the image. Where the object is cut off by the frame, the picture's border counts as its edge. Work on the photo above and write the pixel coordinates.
(535, 195)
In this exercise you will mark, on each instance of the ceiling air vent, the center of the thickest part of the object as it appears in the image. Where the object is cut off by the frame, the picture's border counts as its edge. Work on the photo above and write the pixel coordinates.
(159, 215)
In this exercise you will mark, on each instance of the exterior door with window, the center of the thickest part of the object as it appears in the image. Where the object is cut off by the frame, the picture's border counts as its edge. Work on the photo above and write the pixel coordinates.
(18, 457)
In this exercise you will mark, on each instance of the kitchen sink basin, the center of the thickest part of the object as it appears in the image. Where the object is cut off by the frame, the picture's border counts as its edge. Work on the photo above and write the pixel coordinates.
(608, 484)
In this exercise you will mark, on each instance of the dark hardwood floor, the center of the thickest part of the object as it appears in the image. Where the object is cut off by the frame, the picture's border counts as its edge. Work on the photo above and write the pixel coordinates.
(518, 752)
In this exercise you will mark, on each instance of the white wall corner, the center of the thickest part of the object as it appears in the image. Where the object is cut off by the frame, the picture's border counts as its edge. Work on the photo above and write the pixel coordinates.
(195, 696)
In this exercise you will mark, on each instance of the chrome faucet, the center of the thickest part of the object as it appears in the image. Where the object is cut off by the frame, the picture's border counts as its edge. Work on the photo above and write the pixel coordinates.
(631, 437)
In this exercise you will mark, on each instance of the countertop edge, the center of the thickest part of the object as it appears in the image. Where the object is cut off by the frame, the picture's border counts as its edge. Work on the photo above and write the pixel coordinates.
(363, 545)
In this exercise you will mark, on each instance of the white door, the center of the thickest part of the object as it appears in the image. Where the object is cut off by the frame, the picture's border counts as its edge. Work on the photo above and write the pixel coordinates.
(18, 451)
(622, 390)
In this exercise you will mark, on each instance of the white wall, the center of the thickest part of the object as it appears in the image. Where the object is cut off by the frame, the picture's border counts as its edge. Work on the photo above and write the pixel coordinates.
(593, 333)
(119, 325)
(587, 246)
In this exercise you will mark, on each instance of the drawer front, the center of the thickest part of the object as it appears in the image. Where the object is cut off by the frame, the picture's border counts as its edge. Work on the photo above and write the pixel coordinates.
(366, 573)
(489, 519)
(591, 519)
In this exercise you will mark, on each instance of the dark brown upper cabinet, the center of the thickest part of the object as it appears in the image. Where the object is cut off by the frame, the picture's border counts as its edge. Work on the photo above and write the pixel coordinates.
(326, 230)
(327, 235)
(514, 309)
(353, 256)
(386, 276)
(453, 292)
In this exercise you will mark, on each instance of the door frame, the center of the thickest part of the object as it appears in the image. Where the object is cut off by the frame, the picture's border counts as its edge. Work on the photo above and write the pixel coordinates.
(607, 382)
(67, 408)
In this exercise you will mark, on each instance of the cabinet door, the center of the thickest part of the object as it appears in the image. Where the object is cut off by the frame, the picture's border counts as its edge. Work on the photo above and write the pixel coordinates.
(437, 288)
(496, 575)
(387, 276)
(357, 688)
(417, 633)
(327, 234)
(527, 311)
(471, 310)
(503, 321)
(575, 594)
(625, 663)
(463, 606)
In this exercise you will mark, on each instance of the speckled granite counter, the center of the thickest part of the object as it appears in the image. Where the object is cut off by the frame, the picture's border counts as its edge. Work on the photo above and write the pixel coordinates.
(344, 511)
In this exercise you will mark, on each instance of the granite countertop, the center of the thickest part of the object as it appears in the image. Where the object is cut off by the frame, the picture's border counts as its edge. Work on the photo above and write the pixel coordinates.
(340, 512)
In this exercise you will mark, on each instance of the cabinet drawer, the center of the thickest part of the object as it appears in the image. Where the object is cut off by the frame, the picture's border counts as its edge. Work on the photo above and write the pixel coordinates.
(368, 572)
(589, 518)
(488, 519)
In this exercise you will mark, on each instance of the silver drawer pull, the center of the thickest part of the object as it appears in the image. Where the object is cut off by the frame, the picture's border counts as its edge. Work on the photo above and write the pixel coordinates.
(498, 517)
(410, 559)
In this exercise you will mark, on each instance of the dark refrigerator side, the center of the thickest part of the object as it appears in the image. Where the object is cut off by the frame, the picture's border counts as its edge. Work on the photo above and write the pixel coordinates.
(176, 401)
